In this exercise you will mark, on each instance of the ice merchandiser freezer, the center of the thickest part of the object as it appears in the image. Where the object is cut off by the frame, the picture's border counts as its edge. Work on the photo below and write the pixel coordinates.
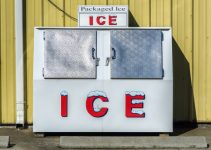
(103, 80)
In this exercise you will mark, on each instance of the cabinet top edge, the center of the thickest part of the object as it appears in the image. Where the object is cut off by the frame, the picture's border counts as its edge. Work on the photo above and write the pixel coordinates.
(106, 28)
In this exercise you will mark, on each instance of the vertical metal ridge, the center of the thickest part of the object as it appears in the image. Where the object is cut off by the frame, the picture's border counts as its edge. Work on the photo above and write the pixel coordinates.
(0, 67)
(150, 13)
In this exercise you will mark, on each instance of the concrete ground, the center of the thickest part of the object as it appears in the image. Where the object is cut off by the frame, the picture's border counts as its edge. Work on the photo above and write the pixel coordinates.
(24, 139)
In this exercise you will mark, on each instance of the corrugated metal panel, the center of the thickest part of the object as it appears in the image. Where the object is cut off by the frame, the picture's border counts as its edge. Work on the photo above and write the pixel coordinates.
(192, 41)
(182, 45)
(201, 59)
(208, 63)
(7, 54)
(139, 12)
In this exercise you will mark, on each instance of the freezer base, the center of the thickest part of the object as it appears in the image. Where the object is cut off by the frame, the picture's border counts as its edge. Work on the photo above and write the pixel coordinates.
(103, 106)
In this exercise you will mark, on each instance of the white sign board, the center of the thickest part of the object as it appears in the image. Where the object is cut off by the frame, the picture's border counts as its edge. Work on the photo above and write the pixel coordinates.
(102, 16)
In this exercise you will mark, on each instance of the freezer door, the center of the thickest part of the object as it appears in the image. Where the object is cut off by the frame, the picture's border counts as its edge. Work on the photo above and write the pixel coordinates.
(70, 54)
(136, 54)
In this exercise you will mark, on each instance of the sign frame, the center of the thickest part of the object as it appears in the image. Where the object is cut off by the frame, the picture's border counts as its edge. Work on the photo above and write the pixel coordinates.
(104, 13)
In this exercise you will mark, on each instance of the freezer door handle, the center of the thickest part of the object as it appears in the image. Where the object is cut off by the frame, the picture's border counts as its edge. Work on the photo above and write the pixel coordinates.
(94, 56)
(114, 53)
(94, 53)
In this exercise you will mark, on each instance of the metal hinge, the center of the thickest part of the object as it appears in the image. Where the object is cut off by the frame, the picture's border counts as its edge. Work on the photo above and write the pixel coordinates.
(97, 61)
(43, 71)
(162, 36)
(44, 35)
(162, 72)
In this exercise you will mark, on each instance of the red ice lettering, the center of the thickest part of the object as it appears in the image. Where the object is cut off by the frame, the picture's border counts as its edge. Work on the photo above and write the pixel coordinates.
(112, 20)
(90, 106)
(134, 105)
(102, 20)
(91, 20)
(64, 103)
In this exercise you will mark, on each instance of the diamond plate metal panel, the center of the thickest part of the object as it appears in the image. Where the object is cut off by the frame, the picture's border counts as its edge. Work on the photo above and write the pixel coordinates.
(68, 54)
(138, 54)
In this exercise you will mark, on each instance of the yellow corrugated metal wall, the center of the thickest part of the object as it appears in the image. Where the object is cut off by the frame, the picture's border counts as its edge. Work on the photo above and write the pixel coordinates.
(192, 47)
(7, 59)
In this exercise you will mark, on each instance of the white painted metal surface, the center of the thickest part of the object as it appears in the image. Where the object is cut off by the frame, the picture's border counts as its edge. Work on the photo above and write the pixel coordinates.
(19, 62)
(158, 102)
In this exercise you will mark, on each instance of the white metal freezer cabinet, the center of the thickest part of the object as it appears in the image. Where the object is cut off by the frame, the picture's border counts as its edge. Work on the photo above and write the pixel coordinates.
(103, 80)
